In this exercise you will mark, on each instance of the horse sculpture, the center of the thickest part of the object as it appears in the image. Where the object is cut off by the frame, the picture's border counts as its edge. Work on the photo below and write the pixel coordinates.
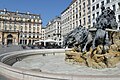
(105, 20)
(79, 37)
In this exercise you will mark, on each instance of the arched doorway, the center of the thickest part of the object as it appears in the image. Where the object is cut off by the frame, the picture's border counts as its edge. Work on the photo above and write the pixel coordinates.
(9, 39)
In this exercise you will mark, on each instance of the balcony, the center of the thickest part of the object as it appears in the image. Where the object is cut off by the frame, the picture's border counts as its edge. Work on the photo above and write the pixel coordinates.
(20, 21)
(10, 31)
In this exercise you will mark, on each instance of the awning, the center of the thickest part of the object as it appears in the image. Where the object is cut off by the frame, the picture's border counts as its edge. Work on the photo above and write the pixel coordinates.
(49, 40)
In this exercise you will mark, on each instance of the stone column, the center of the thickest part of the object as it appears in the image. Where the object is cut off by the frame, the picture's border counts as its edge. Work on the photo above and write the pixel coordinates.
(5, 41)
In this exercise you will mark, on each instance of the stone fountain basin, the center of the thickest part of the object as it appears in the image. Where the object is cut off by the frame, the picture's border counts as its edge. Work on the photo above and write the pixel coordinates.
(31, 73)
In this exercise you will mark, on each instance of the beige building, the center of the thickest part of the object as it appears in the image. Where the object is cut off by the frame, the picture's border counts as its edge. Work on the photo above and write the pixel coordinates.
(19, 28)
(53, 30)
(77, 13)
(43, 33)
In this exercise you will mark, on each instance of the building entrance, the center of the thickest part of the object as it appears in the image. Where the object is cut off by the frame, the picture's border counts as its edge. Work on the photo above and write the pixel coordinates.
(9, 39)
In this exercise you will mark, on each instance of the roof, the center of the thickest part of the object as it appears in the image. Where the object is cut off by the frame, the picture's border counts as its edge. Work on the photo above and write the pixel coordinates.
(27, 13)
(68, 6)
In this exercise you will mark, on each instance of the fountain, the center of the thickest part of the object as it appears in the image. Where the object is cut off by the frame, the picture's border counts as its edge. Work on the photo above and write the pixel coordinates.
(97, 48)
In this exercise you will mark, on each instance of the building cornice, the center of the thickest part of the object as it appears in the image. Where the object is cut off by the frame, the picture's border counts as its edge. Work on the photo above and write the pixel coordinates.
(27, 13)
(68, 6)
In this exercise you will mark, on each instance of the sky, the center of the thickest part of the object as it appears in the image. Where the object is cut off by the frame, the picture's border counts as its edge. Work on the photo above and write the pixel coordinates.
(48, 9)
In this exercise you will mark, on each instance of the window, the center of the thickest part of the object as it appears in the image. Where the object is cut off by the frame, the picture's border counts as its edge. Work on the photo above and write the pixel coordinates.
(93, 16)
(88, 10)
(114, 9)
(33, 35)
(73, 11)
(5, 27)
(79, 1)
(93, 8)
(97, 14)
(73, 17)
(25, 27)
(33, 29)
(119, 18)
(21, 41)
(21, 28)
(80, 14)
(88, 2)
(89, 26)
(84, 5)
(73, 24)
(76, 16)
(37, 36)
(14, 28)
(80, 22)
(25, 35)
(84, 12)
(102, 3)
(89, 19)
(29, 25)
(93, 24)
(48, 35)
(76, 3)
(80, 7)
(76, 10)
(119, 5)
(97, 6)
(25, 41)
(84, 21)
(108, 1)
(10, 27)
(76, 23)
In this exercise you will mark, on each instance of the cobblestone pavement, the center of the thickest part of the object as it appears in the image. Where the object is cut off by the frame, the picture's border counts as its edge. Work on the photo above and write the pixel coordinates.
(57, 64)
(10, 48)
(3, 78)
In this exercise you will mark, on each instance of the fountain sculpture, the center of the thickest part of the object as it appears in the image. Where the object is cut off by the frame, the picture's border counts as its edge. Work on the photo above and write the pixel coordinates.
(96, 49)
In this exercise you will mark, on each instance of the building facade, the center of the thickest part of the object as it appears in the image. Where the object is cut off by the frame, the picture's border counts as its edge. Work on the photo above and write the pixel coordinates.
(77, 13)
(43, 33)
(96, 9)
(53, 30)
(19, 28)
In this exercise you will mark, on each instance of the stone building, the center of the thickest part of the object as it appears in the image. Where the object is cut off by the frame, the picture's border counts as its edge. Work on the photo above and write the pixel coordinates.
(77, 13)
(19, 28)
(43, 33)
(96, 9)
(53, 30)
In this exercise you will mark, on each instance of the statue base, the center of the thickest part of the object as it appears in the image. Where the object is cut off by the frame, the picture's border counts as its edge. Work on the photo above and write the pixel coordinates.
(93, 59)
(96, 58)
